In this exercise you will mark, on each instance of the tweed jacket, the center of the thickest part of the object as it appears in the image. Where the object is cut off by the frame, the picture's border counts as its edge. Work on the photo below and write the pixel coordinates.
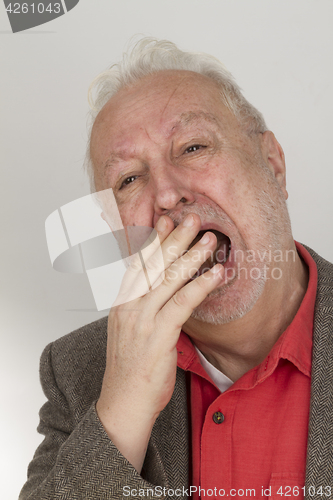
(78, 461)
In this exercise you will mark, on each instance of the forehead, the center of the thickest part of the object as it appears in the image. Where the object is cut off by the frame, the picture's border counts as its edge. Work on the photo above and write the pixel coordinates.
(157, 104)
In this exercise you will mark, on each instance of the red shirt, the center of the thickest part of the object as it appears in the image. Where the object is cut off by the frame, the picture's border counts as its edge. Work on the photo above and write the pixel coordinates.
(262, 440)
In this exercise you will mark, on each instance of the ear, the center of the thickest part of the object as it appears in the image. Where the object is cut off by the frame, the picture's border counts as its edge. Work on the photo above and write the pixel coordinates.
(274, 157)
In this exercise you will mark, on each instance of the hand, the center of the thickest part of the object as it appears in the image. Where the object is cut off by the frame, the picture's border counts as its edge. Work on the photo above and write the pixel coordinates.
(142, 334)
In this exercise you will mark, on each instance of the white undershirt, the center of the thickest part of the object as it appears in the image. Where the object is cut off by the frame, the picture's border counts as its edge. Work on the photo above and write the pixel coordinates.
(220, 380)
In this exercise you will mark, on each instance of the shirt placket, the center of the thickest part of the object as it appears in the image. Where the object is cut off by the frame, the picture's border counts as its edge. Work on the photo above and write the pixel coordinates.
(216, 447)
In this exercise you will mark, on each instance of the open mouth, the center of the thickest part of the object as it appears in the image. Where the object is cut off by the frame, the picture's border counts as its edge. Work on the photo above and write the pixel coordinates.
(219, 255)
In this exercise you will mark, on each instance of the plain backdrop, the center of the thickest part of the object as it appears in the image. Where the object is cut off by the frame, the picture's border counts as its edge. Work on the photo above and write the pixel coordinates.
(280, 52)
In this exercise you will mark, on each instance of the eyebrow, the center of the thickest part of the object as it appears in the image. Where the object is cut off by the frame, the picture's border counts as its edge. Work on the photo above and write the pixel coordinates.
(113, 158)
(193, 116)
(185, 119)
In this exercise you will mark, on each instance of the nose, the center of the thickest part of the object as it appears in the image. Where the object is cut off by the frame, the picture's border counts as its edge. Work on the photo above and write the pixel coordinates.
(170, 193)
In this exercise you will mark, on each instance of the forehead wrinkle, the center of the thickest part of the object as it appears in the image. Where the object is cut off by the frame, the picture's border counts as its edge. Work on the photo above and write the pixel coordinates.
(172, 94)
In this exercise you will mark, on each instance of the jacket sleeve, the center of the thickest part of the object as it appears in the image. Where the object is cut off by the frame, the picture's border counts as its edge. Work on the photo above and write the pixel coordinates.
(76, 460)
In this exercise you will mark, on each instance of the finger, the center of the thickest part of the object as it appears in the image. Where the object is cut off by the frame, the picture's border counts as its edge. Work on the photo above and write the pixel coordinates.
(135, 283)
(146, 270)
(177, 241)
(174, 245)
(173, 242)
(181, 305)
(180, 272)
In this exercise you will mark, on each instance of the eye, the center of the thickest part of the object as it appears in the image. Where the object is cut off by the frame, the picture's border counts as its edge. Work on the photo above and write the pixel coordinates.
(128, 181)
(192, 149)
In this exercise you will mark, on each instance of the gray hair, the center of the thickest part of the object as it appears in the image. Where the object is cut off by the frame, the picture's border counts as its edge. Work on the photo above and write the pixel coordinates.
(150, 56)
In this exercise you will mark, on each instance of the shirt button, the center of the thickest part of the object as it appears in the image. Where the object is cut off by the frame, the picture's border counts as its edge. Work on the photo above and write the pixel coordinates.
(218, 417)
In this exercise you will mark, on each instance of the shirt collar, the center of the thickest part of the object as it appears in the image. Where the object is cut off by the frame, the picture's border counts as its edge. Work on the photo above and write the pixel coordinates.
(220, 380)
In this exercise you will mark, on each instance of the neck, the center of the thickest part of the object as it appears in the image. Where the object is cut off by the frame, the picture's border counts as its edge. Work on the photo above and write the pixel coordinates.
(236, 347)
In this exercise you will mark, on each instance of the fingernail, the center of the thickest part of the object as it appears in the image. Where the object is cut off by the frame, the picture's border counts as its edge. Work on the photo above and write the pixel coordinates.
(205, 239)
(188, 221)
(216, 268)
(161, 224)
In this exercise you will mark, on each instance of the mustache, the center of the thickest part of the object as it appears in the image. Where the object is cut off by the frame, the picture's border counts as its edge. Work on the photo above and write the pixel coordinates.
(203, 211)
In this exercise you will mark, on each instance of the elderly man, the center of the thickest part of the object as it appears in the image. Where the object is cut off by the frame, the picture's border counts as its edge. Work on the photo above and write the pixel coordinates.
(201, 387)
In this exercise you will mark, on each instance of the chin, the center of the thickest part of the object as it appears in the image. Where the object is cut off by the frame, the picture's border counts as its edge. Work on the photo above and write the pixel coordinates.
(229, 302)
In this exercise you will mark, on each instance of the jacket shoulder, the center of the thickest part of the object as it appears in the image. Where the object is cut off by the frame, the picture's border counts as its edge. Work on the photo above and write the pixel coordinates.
(81, 343)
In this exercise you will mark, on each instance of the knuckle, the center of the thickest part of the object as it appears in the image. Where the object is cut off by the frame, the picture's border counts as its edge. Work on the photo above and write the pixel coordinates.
(135, 264)
(119, 309)
(201, 286)
(125, 313)
(169, 276)
(176, 237)
(179, 299)
(200, 282)
(154, 265)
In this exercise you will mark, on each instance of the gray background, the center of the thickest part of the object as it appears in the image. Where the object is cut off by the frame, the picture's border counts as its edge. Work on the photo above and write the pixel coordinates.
(280, 52)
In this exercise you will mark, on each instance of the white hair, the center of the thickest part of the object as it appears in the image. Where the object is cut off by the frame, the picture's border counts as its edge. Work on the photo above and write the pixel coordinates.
(150, 56)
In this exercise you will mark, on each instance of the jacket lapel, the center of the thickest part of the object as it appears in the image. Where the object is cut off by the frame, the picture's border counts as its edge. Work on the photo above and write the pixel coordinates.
(319, 469)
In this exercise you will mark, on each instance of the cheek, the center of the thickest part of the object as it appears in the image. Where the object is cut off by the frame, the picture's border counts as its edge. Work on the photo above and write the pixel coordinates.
(231, 184)
(136, 212)
(220, 181)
